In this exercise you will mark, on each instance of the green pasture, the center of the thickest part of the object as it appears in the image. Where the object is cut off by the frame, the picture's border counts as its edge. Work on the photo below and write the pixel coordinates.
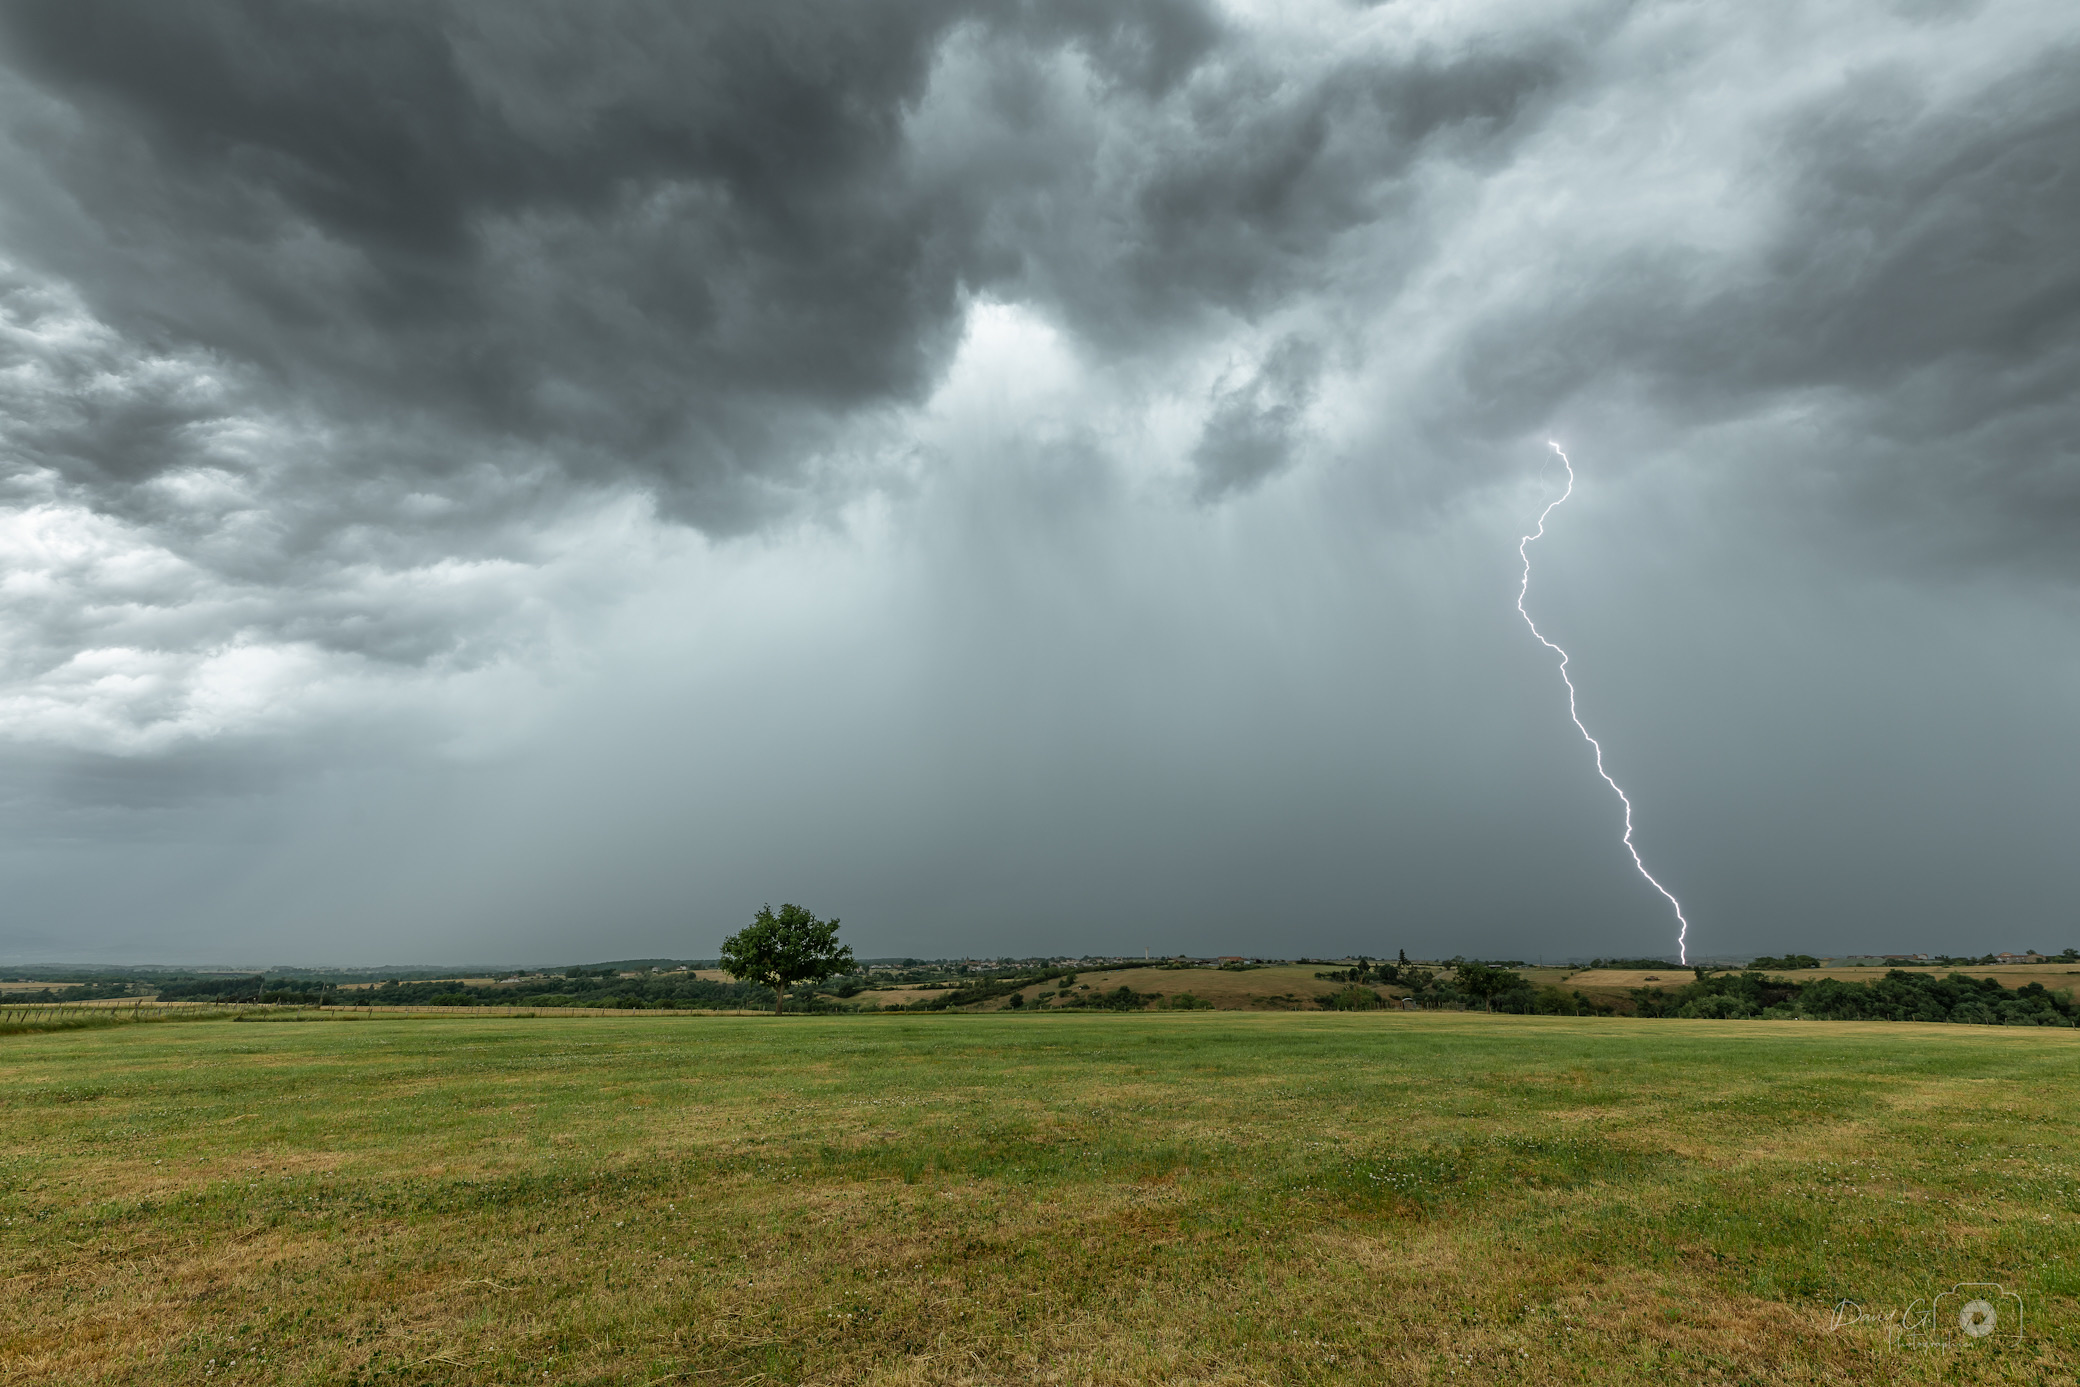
(1157, 1198)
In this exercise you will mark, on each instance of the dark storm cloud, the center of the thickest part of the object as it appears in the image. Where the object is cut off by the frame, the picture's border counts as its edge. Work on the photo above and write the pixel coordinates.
(1914, 292)
(1942, 281)
(640, 231)
(1237, 202)
(656, 235)
(674, 243)
(339, 320)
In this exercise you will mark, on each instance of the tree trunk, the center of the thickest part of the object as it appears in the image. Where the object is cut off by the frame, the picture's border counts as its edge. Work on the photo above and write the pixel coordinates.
(779, 996)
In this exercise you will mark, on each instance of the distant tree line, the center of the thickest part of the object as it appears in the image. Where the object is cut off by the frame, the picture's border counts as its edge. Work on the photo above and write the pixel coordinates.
(1991, 960)
(81, 992)
(577, 987)
(1898, 996)
(257, 988)
(1465, 983)
(654, 991)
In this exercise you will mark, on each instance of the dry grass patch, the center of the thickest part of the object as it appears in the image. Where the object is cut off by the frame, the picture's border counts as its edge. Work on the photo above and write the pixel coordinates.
(1176, 1198)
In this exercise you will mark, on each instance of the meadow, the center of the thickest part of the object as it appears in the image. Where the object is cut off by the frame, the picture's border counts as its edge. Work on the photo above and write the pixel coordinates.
(1195, 1197)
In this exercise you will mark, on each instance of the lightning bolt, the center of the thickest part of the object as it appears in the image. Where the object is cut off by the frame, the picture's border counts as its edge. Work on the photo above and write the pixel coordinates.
(1523, 590)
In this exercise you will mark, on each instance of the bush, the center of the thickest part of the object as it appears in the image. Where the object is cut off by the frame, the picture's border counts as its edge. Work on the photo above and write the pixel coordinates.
(1366, 971)
(1551, 1001)
(1352, 998)
(1718, 1007)
(1121, 998)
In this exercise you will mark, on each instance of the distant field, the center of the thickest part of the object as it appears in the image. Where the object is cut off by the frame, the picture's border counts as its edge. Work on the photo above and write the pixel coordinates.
(1147, 1198)
(1277, 987)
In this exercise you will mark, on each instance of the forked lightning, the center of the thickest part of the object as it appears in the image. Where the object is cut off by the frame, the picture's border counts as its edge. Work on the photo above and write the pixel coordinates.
(1523, 590)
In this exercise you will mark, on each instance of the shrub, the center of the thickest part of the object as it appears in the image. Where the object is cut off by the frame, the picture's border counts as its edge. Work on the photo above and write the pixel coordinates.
(1718, 1007)
(1121, 998)
(1551, 1001)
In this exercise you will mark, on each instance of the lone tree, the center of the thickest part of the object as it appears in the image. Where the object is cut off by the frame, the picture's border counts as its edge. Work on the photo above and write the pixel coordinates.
(1479, 980)
(784, 949)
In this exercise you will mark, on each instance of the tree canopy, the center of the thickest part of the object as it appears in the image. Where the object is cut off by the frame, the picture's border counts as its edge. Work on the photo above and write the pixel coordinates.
(1481, 981)
(780, 950)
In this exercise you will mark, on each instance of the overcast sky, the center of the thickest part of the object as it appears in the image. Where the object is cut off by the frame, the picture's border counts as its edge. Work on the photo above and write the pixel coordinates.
(529, 481)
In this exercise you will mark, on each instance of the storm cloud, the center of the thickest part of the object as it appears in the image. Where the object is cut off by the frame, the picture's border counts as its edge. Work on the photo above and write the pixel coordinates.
(1077, 448)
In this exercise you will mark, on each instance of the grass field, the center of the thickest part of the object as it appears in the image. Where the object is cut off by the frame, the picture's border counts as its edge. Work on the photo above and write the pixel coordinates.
(1197, 1197)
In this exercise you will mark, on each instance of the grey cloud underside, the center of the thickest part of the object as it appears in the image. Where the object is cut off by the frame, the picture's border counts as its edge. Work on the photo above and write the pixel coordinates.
(668, 243)
(1916, 297)
(678, 246)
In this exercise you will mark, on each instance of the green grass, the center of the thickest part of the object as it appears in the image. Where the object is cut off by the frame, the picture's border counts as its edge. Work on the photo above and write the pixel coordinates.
(1197, 1197)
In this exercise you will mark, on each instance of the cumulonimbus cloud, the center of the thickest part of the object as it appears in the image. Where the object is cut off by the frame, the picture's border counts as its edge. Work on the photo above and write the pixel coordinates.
(328, 328)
